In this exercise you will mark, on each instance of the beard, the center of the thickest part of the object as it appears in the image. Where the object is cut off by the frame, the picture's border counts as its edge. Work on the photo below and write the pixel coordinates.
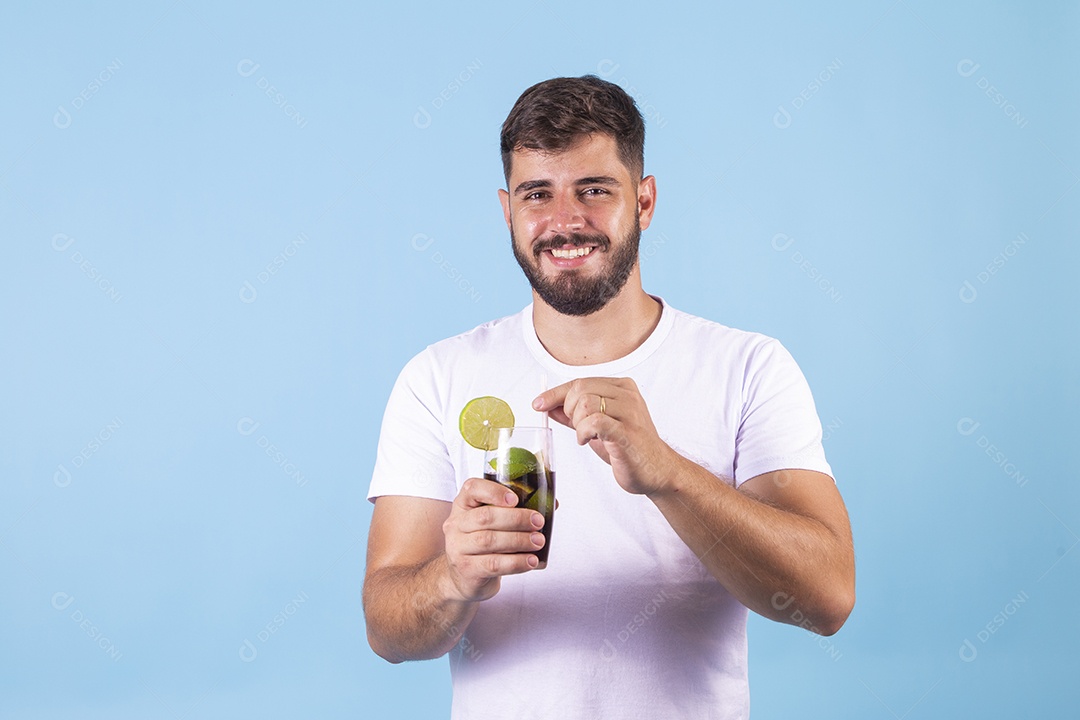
(570, 293)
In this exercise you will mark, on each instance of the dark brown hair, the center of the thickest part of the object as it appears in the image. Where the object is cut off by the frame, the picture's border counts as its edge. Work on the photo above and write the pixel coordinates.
(554, 114)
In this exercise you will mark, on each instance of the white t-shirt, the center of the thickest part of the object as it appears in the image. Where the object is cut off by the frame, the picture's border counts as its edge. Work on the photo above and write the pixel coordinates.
(625, 622)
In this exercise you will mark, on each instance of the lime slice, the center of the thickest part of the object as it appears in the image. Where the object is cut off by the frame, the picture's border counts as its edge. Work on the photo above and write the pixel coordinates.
(481, 419)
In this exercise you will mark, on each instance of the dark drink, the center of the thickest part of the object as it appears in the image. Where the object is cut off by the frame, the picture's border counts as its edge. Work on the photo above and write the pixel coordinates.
(536, 491)
(522, 460)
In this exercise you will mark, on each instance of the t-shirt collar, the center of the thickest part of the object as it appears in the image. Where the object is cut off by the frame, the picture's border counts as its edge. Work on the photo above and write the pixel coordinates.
(614, 368)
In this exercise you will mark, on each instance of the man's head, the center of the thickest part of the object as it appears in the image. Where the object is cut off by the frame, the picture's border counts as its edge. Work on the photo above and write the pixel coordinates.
(554, 114)
(576, 201)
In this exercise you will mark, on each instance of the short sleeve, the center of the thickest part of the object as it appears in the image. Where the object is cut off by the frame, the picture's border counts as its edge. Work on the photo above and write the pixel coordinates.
(412, 458)
(779, 428)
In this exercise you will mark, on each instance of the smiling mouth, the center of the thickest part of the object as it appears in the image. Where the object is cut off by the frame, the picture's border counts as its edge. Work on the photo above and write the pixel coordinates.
(570, 253)
(571, 246)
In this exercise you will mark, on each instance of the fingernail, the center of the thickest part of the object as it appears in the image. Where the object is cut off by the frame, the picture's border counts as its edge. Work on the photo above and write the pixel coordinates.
(510, 499)
(537, 539)
(538, 520)
(532, 560)
(538, 403)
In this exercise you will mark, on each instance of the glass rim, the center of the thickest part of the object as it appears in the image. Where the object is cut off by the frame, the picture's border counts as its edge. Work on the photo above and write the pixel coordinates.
(509, 431)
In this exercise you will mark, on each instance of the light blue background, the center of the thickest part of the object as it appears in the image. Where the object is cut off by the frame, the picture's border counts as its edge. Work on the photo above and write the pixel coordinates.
(147, 179)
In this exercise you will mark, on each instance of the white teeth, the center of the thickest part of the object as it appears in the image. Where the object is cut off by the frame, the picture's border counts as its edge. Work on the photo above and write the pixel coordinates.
(571, 253)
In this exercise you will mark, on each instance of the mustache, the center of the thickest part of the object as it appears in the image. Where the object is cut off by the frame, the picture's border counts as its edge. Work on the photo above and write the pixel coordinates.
(601, 242)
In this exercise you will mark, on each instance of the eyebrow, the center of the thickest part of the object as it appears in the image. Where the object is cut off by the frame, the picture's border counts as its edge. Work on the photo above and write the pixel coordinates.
(598, 180)
(530, 185)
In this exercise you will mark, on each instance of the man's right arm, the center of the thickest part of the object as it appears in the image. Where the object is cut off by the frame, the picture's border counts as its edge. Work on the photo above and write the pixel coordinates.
(430, 563)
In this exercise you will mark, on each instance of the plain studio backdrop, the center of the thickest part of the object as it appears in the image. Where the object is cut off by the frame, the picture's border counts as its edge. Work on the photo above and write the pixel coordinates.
(225, 230)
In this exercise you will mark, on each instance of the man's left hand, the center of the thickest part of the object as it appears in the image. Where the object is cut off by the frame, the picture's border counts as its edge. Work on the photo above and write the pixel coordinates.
(610, 415)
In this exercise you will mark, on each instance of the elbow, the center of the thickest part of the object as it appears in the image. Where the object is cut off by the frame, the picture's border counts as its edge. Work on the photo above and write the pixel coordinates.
(382, 650)
(824, 616)
(377, 641)
(833, 617)
(397, 652)
(837, 602)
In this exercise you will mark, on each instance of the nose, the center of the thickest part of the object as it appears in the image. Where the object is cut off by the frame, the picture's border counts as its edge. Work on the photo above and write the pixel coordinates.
(566, 215)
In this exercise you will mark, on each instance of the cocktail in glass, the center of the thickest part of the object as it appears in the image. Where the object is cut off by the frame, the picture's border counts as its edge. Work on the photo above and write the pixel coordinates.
(523, 462)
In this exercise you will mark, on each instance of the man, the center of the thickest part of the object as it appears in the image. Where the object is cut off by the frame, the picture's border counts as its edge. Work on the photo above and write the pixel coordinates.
(691, 480)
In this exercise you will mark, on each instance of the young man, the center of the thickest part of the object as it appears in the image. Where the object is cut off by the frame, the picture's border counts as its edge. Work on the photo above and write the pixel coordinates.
(692, 483)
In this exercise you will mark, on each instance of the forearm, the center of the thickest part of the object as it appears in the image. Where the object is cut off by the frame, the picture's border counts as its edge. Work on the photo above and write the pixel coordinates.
(774, 561)
(411, 611)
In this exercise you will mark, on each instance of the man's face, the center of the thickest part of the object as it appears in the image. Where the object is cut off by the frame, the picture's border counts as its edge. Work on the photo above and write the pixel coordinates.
(575, 219)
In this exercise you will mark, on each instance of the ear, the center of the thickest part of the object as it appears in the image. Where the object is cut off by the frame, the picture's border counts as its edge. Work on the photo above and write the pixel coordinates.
(504, 198)
(646, 200)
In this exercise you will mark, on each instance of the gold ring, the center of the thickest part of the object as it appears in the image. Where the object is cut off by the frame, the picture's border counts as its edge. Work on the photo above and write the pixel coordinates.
(603, 406)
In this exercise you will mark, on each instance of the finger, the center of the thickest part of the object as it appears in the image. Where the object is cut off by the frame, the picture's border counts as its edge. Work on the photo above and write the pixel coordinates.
(552, 397)
(489, 566)
(590, 404)
(478, 491)
(581, 409)
(492, 542)
(596, 427)
(490, 517)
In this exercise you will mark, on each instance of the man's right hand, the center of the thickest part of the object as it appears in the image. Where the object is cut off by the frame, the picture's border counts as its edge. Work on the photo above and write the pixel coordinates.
(488, 537)
(430, 561)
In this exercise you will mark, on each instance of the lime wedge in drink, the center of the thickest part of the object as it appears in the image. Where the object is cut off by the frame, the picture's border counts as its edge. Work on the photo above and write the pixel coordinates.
(546, 508)
(481, 419)
(518, 462)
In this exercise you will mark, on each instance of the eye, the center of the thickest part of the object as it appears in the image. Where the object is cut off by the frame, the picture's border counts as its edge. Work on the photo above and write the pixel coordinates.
(594, 192)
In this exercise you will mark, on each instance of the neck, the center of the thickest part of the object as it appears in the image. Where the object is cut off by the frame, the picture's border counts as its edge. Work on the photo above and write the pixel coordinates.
(612, 332)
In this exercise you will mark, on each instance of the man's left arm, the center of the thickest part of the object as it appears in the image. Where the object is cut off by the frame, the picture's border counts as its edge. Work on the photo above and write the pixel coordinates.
(780, 543)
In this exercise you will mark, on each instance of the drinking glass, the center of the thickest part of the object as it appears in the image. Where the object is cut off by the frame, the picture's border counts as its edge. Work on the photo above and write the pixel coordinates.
(523, 462)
